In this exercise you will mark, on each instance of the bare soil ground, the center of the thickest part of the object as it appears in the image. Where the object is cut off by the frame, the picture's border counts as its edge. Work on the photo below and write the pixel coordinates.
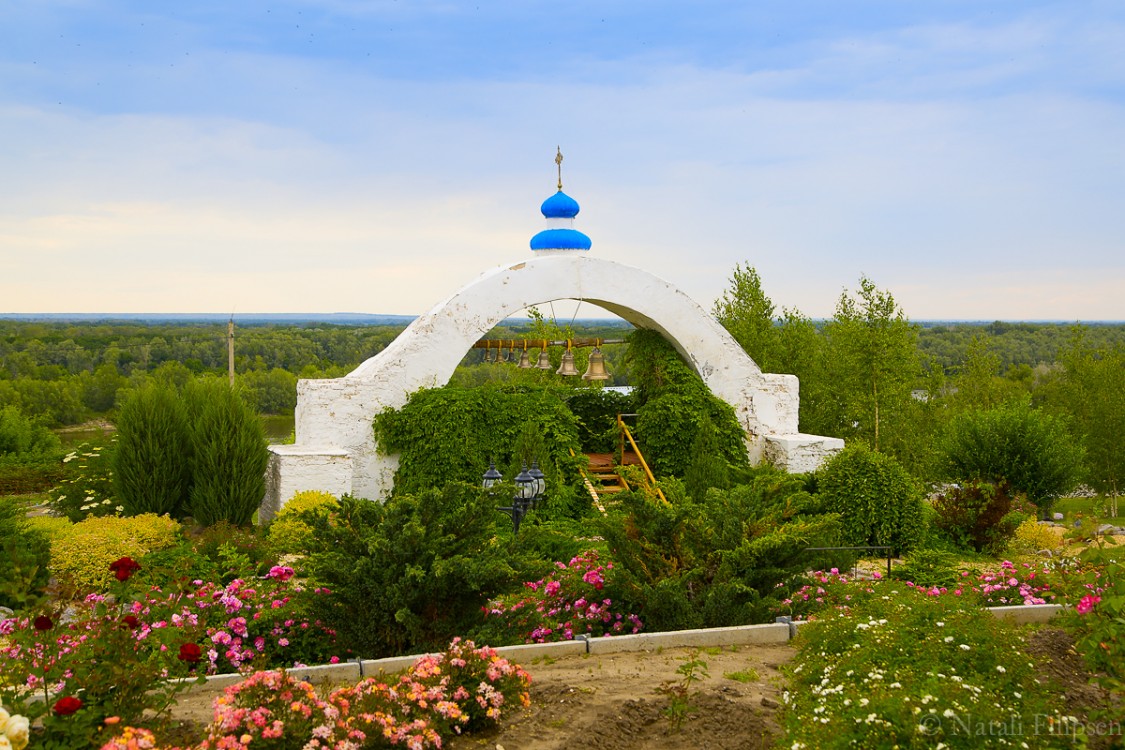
(613, 702)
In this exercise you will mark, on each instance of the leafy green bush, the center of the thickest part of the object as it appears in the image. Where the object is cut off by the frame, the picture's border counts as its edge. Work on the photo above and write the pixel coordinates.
(81, 555)
(1097, 618)
(288, 533)
(550, 539)
(25, 554)
(236, 549)
(979, 515)
(21, 437)
(228, 455)
(29, 454)
(175, 567)
(879, 502)
(1032, 450)
(409, 574)
(929, 568)
(689, 565)
(152, 462)
(87, 487)
(219, 553)
(674, 406)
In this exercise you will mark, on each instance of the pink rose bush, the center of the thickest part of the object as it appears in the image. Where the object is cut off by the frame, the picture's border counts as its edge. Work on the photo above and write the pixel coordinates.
(111, 655)
(569, 602)
(463, 689)
(220, 628)
(1087, 603)
(441, 695)
(272, 710)
(1051, 582)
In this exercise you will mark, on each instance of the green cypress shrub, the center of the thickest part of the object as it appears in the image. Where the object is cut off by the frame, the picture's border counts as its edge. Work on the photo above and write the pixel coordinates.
(719, 562)
(708, 468)
(152, 463)
(409, 574)
(229, 456)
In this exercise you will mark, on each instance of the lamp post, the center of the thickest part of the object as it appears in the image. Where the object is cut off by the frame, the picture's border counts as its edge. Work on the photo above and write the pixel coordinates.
(540, 483)
(530, 486)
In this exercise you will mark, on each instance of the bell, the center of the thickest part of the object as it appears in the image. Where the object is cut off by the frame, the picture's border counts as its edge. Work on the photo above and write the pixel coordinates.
(488, 354)
(567, 367)
(596, 369)
(544, 362)
(525, 361)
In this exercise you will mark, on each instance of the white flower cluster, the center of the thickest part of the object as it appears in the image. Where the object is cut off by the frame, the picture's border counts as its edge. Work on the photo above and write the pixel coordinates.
(13, 731)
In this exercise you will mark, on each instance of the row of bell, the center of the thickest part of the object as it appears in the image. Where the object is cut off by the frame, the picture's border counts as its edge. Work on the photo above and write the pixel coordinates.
(595, 370)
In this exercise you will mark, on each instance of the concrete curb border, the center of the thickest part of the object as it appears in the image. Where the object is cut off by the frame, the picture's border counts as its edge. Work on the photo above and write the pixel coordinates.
(769, 634)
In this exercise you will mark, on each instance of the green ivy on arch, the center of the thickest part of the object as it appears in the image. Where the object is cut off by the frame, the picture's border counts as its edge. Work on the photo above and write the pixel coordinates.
(450, 434)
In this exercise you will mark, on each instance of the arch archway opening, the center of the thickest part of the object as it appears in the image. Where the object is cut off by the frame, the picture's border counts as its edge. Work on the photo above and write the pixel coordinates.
(335, 449)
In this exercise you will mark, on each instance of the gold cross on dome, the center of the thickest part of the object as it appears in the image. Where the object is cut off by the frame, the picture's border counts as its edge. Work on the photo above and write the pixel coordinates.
(558, 161)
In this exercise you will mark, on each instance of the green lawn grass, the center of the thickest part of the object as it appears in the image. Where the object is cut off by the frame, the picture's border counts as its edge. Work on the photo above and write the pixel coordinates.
(1090, 506)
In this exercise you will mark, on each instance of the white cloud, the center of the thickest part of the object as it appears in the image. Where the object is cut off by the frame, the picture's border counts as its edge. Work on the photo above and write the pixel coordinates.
(929, 156)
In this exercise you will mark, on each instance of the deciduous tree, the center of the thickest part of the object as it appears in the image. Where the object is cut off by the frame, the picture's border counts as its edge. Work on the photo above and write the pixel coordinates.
(1093, 391)
(874, 361)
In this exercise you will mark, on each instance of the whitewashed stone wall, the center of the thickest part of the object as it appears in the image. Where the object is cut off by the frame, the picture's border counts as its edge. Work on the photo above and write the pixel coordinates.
(335, 448)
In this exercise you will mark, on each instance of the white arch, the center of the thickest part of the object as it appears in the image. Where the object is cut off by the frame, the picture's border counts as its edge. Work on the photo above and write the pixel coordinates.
(335, 448)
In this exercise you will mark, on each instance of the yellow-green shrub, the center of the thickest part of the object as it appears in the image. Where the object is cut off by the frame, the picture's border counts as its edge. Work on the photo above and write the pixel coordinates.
(81, 554)
(1032, 535)
(52, 526)
(288, 533)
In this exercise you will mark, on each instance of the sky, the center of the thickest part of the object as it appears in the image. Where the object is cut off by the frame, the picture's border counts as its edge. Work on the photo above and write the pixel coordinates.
(374, 156)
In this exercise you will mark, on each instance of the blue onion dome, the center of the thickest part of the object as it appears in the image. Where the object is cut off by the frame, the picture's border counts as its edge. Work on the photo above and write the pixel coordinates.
(559, 206)
(560, 239)
(559, 210)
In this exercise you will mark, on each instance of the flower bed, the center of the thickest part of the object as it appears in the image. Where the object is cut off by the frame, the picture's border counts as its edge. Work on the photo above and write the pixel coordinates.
(902, 670)
(1063, 581)
(567, 603)
(229, 627)
(463, 689)
(109, 657)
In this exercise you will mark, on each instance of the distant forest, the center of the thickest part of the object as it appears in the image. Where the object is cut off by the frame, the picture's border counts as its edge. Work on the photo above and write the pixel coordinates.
(66, 373)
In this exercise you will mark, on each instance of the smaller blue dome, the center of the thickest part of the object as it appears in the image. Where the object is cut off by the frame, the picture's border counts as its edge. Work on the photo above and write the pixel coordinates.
(560, 239)
(560, 206)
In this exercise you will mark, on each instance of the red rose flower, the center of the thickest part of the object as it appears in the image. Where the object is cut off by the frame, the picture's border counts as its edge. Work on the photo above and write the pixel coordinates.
(124, 568)
(66, 706)
(131, 622)
(42, 622)
(191, 653)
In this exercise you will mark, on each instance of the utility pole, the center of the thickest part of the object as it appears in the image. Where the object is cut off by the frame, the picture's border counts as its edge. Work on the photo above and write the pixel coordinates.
(230, 351)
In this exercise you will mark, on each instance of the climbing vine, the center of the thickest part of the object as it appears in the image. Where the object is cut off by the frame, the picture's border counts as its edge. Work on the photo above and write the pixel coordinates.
(450, 434)
(674, 405)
